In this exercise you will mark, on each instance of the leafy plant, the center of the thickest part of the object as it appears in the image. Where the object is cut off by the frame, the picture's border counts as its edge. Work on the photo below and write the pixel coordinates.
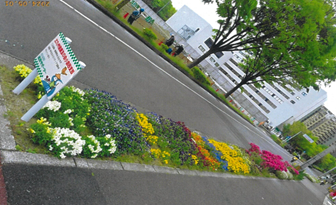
(149, 34)
(199, 75)
(109, 115)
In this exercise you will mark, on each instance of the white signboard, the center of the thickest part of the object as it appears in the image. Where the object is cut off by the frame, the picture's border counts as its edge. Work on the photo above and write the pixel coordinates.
(308, 138)
(56, 65)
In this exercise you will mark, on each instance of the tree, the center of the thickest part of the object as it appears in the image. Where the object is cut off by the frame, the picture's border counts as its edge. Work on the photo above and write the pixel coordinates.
(311, 149)
(251, 24)
(302, 56)
(163, 8)
(327, 162)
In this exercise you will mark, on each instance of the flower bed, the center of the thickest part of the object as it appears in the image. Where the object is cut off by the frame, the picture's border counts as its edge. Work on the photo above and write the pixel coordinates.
(95, 123)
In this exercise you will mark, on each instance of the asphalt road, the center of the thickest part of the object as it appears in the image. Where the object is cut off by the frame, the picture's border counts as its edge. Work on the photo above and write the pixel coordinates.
(119, 63)
(60, 185)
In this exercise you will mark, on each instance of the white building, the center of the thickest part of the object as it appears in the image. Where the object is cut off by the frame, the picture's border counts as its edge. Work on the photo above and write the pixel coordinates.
(274, 102)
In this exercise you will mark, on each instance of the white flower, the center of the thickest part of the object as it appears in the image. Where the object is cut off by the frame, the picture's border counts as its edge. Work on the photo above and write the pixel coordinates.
(62, 155)
(79, 91)
(70, 120)
(52, 105)
(68, 111)
(71, 141)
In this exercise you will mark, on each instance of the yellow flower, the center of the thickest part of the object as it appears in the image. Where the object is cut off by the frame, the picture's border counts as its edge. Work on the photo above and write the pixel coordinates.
(31, 130)
(156, 153)
(165, 161)
(194, 158)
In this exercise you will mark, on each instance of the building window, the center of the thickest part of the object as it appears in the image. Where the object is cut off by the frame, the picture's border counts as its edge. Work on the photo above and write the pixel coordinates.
(304, 94)
(219, 54)
(186, 32)
(292, 101)
(201, 48)
(208, 42)
(298, 98)
(212, 60)
(216, 64)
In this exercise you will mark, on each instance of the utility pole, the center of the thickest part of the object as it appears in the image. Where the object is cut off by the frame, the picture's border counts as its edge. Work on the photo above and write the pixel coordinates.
(292, 137)
(163, 7)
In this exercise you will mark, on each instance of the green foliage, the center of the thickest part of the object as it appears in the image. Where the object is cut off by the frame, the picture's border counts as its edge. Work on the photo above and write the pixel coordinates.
(149, 34)
(287, 40)
(18, 147)
(327, 162)
(164, 47)
(300, 176)
(299, 141)
(41, 135)
(163, 8)
(60, 120)
(281, 174)
(199, 75)
(276, 139)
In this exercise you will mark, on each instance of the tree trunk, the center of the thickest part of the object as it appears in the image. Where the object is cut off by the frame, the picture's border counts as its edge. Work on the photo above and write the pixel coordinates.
(235, 88)
(200, 59)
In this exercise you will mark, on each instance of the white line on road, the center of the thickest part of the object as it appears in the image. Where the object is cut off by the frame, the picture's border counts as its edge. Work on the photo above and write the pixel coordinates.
(94, 23)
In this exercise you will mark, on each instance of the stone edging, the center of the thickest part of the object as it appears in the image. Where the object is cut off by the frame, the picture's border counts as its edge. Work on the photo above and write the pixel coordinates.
(16, 157)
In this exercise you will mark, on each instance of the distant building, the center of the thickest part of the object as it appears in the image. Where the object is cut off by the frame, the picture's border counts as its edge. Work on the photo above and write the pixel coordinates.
(322, 123)
(273, 102)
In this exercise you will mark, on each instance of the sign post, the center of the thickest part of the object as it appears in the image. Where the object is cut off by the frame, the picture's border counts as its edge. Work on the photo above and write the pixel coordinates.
(56, 65)
(31, 76)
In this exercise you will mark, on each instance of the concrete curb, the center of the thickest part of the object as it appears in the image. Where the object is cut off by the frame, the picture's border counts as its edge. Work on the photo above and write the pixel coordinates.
(7, 141)
(137, 167)
(16, 157)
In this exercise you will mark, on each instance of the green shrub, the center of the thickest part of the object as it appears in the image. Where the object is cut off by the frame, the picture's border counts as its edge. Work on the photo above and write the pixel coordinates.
(164, 47)
(199, 75)
(300, 176)
(281, 174)
(149, 34)
(290, 175)
(40, 133)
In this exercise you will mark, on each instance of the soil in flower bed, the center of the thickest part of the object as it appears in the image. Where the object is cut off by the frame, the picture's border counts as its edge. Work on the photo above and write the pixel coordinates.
(17, 106)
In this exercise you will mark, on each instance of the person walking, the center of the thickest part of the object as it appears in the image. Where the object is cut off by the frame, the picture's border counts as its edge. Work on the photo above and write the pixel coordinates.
(135, 15)
(170, 41)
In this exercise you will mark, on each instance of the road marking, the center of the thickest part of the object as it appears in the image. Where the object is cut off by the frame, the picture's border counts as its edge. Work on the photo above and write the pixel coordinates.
(137, 52)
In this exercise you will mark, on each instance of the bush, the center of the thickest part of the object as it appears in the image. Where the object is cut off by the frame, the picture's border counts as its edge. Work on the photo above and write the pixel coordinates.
(199, 75)
(290, 175)
(149, 34)
(281, 174)
(300, 176)
(164, 47)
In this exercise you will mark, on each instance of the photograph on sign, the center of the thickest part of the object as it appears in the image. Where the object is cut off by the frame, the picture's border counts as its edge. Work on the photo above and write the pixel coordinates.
(56, 65)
